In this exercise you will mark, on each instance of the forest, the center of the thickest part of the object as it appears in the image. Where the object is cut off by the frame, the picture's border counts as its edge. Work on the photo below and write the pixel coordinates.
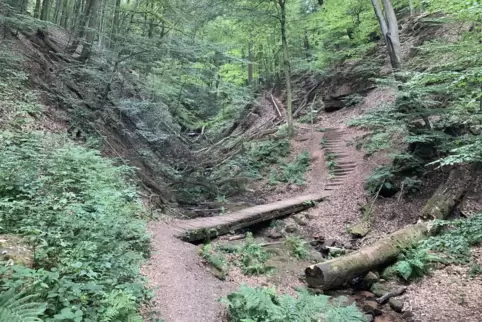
(248, 160)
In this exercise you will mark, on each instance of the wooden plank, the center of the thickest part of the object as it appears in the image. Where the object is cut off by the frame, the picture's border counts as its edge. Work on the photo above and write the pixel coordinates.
(202, 228)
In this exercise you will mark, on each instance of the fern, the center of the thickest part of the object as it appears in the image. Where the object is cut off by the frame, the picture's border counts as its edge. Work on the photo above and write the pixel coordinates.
(19, 308)
(263, 304)
(121, 306)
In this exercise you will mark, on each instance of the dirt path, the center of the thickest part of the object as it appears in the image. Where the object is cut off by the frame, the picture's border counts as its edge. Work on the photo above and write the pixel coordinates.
(185, 290)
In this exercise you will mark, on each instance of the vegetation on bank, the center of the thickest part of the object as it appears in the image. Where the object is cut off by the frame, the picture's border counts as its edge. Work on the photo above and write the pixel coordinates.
(74, 217)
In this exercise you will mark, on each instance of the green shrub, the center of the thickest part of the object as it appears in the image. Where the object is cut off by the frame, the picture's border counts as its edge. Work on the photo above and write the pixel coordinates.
(263, 304)
(294, 172)
(451, 246)
(81, 217)
(253, 257)
(296, 246)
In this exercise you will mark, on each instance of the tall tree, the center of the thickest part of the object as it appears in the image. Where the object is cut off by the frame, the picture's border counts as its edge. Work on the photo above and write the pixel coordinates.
(44, 13)
(389, 27)
(286, 64)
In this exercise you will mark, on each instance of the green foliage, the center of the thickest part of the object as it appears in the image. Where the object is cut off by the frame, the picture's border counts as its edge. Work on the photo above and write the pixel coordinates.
(294, 172)
(250, 256)
(263, 304)
(414, 263)
(81, 217)
(451, 246)
(262, 155)
(19, 307)
(381, 178)
(253, 257)
(296, 246)
(213, 257)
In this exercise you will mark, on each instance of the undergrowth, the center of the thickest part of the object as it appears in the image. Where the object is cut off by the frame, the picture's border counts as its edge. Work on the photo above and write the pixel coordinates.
(264, 304)
(250, 256)
(81, 219)
(452, 246)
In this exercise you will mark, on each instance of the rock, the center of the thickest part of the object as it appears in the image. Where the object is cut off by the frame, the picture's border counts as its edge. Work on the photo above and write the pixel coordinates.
(387, 318)
(369, 317)
(396, 305)
(371, 307)
(274, 234)
(310, 216)
(379, 289)
(366, 294)
(291, 228)
(329, 243)
(300, 220)
(360, 230)
(370, 279)
(407, 315)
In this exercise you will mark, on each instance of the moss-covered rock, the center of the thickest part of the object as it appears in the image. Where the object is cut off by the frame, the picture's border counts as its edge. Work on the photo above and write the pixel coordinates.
(361, 229)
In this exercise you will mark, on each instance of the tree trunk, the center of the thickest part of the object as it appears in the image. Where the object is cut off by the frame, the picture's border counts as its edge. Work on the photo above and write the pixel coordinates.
(448, 195)
(287, 67)
(389, 27)
(91, 32)
(36, 12)
(116, 20)
(337, 272)
(57, 11)
(44, 14)
(64, 15)
(250, 57)
(84, 18)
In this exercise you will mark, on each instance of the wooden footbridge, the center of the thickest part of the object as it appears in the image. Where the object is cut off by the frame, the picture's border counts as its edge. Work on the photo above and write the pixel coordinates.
(207, 227)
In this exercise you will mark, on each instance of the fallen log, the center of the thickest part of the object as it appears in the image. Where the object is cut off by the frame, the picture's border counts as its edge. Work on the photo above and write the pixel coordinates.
(341, 270)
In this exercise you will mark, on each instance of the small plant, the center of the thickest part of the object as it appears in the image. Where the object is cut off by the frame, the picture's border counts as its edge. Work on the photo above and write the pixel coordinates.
(321, 129)
(475, 269)
(214, 257)
(382, 177)
(264, 304)
(296, 246)
(294, 172)
(221, 199)
(323, 142)
(253, 257)
(414, 262)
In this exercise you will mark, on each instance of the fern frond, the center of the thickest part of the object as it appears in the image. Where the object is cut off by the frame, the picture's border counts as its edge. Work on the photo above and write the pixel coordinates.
(19, 308)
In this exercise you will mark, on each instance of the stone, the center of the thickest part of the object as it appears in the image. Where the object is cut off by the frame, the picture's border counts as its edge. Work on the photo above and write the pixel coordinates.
(360, 230)
(369, 279)
(369, 317)
(396, 305)
(310, 216)
(379, 289)
(367, 295)
(274, 234)
(371, 307)
(386, 317)
(300, 220)
(407, 315)
(329, 243)
(291, 228)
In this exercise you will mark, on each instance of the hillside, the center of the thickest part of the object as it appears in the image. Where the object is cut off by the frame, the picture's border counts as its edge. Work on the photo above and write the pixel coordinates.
(260, 160)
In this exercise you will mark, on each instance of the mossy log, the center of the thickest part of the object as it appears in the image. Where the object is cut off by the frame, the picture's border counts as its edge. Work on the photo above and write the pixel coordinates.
(448, 194)
(336, 272)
